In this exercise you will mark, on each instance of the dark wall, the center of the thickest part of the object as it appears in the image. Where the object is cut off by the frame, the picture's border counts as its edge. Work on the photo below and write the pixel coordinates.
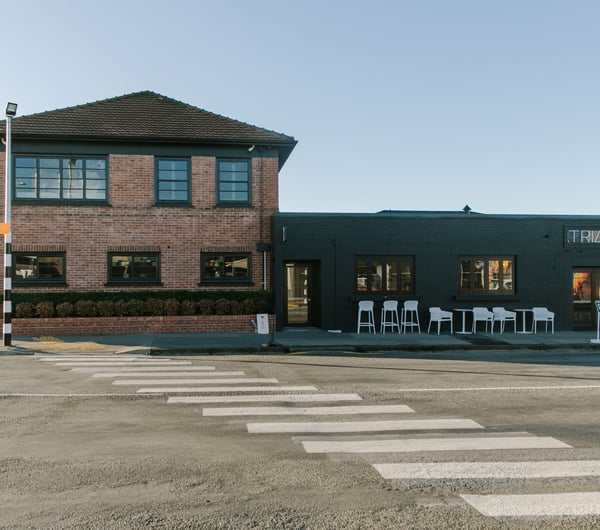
(543, 265)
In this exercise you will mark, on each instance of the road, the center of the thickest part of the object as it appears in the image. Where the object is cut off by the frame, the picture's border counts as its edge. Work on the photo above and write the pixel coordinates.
(300, 441)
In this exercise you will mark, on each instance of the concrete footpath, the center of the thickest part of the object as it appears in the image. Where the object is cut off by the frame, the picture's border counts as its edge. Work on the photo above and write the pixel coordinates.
(299, 341)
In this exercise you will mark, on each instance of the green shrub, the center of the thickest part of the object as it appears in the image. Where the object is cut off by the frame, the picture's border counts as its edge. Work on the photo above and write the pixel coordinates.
(121, 308)
(222, 306)
(105, 308)
(248, 306)
(44, 309)
(187, 307)
(85, 308)
(170, 307)
(135, 307)
(154, 307)
(65, 310)
(24, 310)
(206, 307)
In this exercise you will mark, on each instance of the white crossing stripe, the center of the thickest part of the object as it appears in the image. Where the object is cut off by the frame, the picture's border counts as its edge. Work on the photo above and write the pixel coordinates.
(537, 505)
(122, 369)
(290, 398)
(70, 364)
(493, 470)
(55, 358)
(209, 389)
(163, 373)
(306, 411)
(361, 426)
(238, 380)
(409, 445)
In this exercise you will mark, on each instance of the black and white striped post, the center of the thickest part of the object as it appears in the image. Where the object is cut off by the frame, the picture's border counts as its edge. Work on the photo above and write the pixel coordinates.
(11, 111)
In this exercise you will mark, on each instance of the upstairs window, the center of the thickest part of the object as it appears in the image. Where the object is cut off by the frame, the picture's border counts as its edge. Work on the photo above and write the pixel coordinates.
(54, 178)
(36, 268)
(134, 268)
(172, 181)
(487, 275)
(233, 182)
(385, 275)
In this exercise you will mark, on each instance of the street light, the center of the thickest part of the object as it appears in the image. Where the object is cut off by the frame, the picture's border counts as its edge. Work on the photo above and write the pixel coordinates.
(11, 111)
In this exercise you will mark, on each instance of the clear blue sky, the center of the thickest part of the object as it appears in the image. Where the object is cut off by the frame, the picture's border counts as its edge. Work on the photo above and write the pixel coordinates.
(405, 105)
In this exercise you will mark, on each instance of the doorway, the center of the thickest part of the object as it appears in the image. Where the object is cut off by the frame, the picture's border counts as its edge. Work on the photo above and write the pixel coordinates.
(301, 278)
(586, 290)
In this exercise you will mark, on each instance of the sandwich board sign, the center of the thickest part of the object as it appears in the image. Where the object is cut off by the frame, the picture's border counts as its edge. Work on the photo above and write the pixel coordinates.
(262, 324)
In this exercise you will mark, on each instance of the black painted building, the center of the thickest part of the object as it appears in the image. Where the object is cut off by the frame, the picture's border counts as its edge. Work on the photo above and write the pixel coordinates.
(324, 264)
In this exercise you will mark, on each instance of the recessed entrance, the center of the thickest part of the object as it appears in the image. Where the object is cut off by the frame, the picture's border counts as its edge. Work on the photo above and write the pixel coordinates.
(300, 280)
(586, 290)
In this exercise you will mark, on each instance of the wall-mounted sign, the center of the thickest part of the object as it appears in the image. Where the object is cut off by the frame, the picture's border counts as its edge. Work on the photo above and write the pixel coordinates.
(582, 236)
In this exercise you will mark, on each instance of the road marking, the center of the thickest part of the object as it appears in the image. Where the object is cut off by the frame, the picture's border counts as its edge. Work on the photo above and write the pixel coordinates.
(306, 411)
(166, 373)
(291, 398)
(208, 389)
(144, 368)
(410, 445)
(238, 380)
(536, 505)
(510, 388)
(60, 358)
(67, 395)
(361, 426)
(71, 364)
(490, 470)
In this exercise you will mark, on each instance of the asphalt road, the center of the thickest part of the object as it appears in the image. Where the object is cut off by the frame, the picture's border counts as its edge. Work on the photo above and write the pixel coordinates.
(469, 443)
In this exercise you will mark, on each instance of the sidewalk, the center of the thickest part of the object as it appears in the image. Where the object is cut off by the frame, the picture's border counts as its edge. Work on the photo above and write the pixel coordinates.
(296, 341)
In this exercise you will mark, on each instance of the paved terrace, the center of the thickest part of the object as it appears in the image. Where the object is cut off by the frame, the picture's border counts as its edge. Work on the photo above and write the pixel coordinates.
(303, 341)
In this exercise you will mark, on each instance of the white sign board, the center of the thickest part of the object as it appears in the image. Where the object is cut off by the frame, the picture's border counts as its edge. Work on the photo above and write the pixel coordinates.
(262, 324)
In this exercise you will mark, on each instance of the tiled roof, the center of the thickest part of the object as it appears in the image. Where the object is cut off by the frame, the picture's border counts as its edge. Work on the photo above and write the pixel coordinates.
(142, 116)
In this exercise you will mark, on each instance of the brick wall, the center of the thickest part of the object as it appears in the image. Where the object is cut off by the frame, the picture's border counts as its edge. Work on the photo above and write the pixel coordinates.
(35, 327)
(132, 223)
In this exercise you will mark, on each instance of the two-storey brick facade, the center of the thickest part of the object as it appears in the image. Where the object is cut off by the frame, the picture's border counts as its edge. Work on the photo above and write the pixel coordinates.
(142, 192)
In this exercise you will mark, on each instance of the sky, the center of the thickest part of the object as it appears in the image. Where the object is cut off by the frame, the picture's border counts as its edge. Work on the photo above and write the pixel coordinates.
(396, 105)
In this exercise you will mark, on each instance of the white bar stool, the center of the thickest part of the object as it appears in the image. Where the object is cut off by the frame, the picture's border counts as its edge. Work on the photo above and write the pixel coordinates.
(410, 316)
(389, 316)
(366, 306)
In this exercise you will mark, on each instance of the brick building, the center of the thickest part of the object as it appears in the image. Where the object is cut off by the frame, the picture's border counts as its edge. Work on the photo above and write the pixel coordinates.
(142, 192)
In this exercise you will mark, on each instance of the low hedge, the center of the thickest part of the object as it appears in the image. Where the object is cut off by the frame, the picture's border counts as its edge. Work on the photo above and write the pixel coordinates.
(149, 303)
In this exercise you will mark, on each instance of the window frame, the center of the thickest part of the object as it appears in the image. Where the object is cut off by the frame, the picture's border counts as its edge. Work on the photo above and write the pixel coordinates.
(219, 181)
(157, 181)
(30, 280)
(226, 257)
(134, 280)
(486, 275)
(385, 262)
(60, 169)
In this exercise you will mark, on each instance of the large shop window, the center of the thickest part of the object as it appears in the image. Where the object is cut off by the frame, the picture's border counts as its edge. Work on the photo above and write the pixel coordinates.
(487, 275)
(172, 181)
(225, 267)
(64, 178)
(385, 274)
(134, 268)
(37, 268)
(233, 182)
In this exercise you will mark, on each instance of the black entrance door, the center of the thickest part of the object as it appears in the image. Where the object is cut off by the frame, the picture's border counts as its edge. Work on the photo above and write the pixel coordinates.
(301, 278)
(586, 290)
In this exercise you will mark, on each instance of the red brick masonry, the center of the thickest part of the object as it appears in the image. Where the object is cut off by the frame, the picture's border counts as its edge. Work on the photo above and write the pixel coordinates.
(130, 325)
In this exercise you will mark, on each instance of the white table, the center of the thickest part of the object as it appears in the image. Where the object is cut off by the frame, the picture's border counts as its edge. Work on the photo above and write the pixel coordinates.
(524, 312)
(464, 311)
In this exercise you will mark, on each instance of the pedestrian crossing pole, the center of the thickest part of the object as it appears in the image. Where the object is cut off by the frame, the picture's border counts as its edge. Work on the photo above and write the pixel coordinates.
(11, 110)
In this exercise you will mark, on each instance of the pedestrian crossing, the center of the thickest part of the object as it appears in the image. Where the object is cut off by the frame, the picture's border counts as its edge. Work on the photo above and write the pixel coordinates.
(383, 443)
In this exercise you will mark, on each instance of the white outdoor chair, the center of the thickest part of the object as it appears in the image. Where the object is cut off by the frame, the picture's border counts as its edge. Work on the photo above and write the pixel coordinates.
(437, 314)
(503, 316)
(542, 314)
(389, 316)
(410, 316)
(482, 314)
(365, 306)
